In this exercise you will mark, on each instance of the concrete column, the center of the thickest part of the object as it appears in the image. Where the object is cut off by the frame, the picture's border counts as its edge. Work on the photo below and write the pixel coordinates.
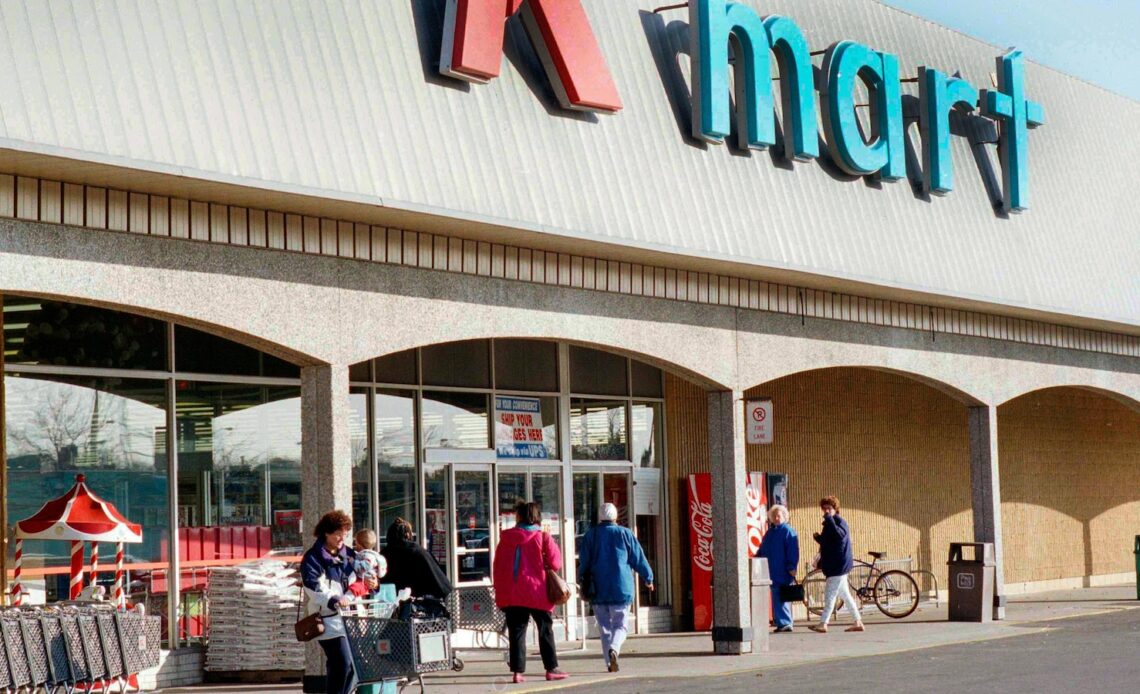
(732, 612)
(985, 481)
(326, 468)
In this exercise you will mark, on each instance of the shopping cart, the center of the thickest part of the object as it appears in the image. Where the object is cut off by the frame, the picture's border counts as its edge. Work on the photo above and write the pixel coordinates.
(473, 609)
(385, 648)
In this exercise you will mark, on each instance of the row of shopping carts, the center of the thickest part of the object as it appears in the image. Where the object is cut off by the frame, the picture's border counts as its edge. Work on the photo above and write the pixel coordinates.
(70, 646)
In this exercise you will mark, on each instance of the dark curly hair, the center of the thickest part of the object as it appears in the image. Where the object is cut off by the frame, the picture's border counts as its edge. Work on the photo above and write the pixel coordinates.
(831, 501)
(332, 522)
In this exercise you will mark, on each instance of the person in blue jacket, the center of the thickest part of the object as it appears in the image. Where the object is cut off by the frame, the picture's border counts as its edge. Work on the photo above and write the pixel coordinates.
(327, 570)
(781, 547)
(607, 557)
(835, 560)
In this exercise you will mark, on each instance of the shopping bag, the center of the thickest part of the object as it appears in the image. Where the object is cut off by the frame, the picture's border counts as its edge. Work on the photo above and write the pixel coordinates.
(793, 592)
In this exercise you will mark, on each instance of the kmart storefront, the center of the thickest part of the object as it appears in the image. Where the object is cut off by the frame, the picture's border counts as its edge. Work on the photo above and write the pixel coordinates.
(243, 311)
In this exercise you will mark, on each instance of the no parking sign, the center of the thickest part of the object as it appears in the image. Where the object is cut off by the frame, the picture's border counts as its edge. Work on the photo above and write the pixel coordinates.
(758, 421)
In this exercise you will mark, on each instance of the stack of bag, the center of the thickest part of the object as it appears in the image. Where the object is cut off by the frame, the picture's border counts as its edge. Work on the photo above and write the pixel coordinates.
(252, 611)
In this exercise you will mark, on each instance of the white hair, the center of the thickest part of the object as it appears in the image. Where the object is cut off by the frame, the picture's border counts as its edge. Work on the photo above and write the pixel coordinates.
(608, 512)
(775, 512)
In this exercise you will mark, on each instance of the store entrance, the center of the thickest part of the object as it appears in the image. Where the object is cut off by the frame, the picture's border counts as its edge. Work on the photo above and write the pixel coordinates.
(468, 505)
(594, 487)
(458, 511)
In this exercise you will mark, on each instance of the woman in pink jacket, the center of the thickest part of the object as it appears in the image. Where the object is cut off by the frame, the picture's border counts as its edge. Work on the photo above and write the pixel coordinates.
(521, 560)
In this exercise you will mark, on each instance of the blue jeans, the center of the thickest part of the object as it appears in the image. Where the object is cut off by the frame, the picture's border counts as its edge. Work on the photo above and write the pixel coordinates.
(781, 611)
(611, 621)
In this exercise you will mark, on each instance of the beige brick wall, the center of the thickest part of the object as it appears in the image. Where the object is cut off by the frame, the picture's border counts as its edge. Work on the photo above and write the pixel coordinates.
(1070, 483)
(895, 452)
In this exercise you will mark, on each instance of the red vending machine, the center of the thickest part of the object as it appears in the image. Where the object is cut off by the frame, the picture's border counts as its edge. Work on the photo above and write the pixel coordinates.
(755, 522)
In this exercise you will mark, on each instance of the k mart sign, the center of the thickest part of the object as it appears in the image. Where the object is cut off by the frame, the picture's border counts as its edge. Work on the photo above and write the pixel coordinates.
(560, 32)
(731, 77)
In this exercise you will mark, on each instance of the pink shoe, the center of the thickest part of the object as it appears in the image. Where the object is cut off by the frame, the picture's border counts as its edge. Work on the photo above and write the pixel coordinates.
(518, 678)
(555, 674)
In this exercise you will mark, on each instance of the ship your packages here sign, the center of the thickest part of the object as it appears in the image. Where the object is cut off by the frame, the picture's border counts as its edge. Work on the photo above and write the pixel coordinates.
(518, 427)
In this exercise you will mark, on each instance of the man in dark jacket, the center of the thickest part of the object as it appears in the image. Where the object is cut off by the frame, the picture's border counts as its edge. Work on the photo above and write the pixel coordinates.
(410, 566)
(835, 560)
(608, 556)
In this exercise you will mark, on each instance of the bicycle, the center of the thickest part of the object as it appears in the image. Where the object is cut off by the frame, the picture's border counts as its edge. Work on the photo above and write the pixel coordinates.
(894, 592)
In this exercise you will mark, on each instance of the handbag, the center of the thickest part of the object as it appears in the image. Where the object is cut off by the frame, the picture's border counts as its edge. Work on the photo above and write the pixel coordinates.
(793, 592)
(557, 590)
(310, 626)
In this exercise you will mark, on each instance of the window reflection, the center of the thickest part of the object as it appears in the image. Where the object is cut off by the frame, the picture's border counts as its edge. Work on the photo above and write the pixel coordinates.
(598, 430)
(646, 433)
(239, 461)
(361, 471)
(395, 457)
(455, 420)
(113, 431)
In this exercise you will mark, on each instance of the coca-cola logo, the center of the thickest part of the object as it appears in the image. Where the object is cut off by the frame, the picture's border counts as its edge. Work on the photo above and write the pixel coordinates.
(754, 517)
(700, 518)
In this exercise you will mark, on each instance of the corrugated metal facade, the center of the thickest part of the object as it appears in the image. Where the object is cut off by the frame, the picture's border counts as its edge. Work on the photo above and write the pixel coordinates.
(343, 100)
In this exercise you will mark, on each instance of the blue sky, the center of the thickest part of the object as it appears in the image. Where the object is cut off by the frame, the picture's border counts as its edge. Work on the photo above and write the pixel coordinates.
(1096, 40)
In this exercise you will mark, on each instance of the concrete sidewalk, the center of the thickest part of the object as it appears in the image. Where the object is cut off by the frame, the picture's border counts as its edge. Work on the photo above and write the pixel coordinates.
(690, 655)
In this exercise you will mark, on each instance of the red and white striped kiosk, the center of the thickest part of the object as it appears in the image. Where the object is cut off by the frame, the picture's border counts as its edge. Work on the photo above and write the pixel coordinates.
(78, 516)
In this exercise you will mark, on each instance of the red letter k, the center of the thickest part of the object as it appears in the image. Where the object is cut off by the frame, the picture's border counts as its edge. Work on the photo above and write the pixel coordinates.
(558, 29)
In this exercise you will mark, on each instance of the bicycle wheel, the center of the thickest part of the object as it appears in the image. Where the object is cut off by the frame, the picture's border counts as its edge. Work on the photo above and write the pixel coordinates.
(896, 593)
(815, 593)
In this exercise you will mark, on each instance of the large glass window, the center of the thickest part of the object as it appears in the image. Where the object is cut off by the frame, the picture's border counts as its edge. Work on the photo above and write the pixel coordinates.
(646, 428)
(239, 460)
(54, 333)
(526, 427)
(530, 365)
(593, 372)
(457, 364)
(361, 467)
(455, 420)
(199, 352)
(397, 368)
(646, 380)
(395, 439)
(587, 505)
(113, 430)
(238, 444)
(598, 429)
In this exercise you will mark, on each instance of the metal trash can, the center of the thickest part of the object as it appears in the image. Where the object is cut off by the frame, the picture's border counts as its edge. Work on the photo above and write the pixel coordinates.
(972, 570)
(761, 604)
(1136, 551)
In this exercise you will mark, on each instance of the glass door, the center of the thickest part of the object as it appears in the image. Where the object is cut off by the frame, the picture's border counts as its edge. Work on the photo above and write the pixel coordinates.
(474, 510)
(541, 485)
(594, 488)
(458, 509)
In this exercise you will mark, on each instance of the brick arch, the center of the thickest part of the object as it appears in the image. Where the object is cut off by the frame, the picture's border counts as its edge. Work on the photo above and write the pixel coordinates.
(875, 438)
(1070, 482)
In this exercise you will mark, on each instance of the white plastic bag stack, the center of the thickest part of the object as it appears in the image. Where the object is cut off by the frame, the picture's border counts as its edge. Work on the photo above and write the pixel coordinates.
(252, 611)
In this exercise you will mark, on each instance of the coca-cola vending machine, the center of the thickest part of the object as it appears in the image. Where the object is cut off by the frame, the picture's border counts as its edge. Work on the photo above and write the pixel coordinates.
(701, 536)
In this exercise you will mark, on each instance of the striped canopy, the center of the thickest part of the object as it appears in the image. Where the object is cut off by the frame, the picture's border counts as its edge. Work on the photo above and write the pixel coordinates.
(81, 516)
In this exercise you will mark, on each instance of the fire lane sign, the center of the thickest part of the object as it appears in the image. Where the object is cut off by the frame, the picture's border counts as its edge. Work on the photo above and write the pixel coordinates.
(758, 421)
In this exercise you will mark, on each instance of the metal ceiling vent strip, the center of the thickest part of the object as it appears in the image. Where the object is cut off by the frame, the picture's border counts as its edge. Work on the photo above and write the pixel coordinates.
(98, 208)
